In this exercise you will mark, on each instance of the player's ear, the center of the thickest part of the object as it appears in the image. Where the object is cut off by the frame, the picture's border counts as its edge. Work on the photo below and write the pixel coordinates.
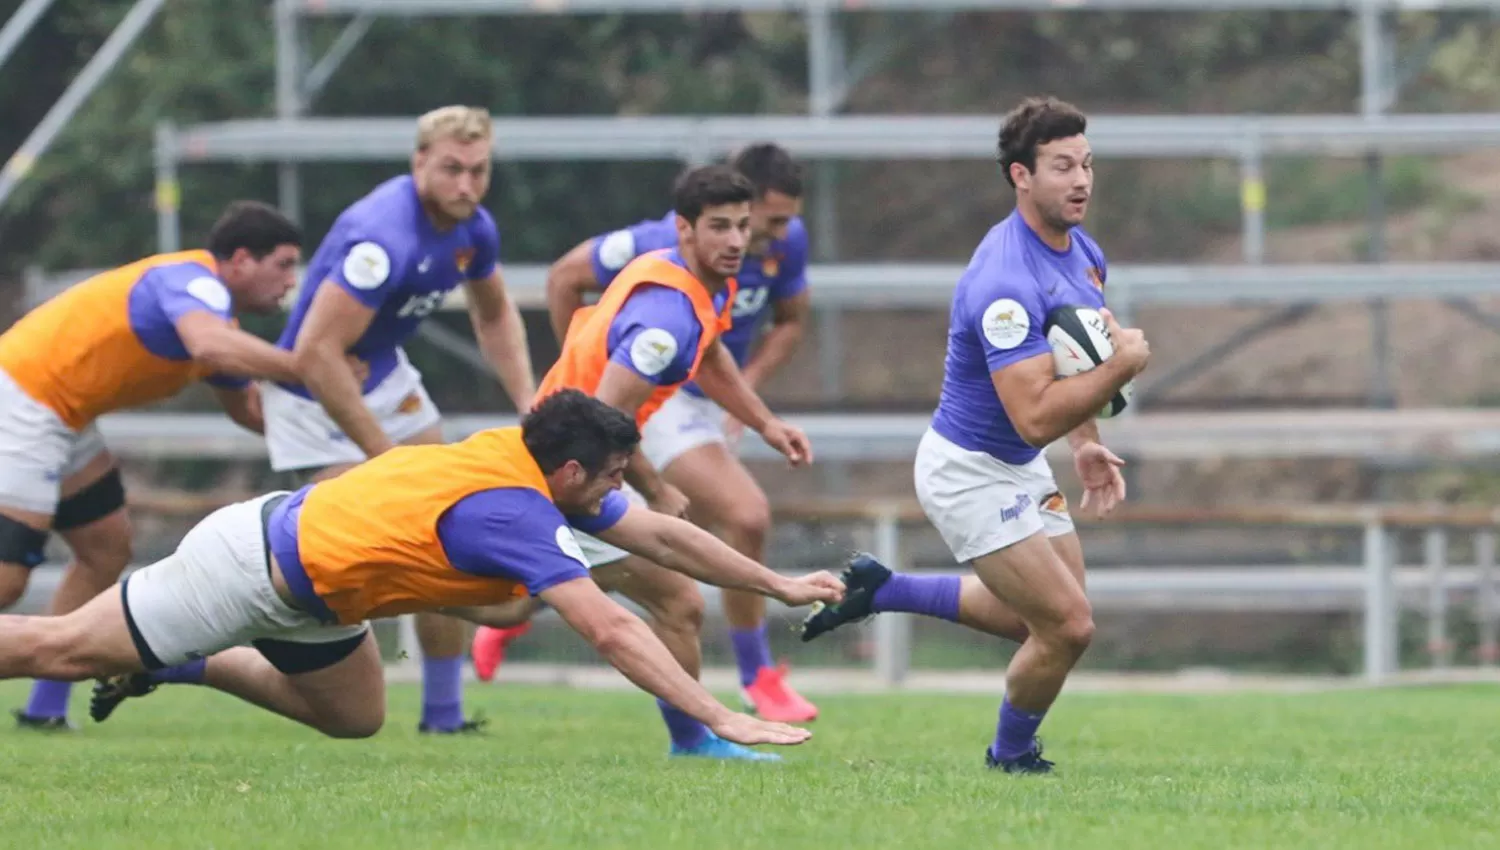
(1020, 176)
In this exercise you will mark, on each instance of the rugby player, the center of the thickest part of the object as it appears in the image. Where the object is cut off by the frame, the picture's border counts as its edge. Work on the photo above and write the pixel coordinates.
(388, 263)
(129, 336)
(418, 528)
(657, 327)
(690, 438)
(980, 473)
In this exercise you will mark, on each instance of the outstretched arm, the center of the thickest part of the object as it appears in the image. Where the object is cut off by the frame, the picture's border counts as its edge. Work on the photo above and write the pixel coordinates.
(681, 546)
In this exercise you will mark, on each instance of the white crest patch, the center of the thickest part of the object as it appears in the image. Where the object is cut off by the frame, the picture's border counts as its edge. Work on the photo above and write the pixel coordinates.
(211, 291)
(367, 266)
(652, 351)
(569, 545)
(617, 249)
(1005, 323)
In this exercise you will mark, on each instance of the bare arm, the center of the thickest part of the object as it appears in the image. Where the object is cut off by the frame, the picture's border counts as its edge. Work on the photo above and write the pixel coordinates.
(334, 322)
(628, 644)
(219, 345)
(502, 337)
(721, 380)
(242, 406)
(626, 391)
(788, 326)
(1044, 408)
(567, 281)
(683, 547)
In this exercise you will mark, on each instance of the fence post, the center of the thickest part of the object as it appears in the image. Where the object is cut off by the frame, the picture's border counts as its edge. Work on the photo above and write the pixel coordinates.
(1435, 546)
(892, 631)
(1380, 602)
(1484, 557)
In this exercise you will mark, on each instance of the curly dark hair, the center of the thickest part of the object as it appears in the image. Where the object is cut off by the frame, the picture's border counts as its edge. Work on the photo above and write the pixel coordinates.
(1033, 123)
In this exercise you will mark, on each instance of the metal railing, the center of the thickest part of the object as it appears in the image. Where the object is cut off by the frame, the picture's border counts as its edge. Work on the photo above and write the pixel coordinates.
(1378, 587)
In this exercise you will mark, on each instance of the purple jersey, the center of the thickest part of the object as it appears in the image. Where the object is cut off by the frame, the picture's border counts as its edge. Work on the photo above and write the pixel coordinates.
(655, 334)
(165, 294)
(506, 533)
(511, 533)
(999, 309)
(384, 251)
(778, 274)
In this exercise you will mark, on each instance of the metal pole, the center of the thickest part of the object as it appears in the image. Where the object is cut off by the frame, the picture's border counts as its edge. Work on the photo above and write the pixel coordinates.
(322, 71)
(1253, 204)
(1489, 611)
(892, 632)
(1380, 606)
(168, 190)
(1435, 544)
(110, 52)
(1375, 95)
(288, 100)
(19, 24)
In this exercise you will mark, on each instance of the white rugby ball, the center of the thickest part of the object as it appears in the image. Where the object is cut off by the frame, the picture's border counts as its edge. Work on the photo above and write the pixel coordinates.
(1080, 341)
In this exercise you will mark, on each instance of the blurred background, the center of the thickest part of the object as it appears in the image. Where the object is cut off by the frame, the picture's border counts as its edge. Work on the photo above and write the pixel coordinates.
(1300, 201)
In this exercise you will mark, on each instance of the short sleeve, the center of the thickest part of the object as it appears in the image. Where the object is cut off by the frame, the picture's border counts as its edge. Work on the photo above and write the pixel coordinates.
(514, 534)
(189, 287)
(655, 335)
(791, 278)
(1004, 308)
(368, 269)
(486, 238)
(614, 250)
(610, 512)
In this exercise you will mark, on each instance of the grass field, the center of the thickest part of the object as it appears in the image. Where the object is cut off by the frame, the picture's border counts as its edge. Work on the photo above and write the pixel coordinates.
(192, 769)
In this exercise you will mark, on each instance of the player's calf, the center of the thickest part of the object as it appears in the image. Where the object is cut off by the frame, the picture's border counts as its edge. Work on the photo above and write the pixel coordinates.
(1030, 578)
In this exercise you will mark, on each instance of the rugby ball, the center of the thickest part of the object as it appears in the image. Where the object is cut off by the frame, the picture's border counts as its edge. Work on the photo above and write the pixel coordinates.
(1080, 341)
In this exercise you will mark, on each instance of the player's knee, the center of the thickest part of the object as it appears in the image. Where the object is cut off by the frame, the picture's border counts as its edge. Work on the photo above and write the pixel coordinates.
(682, 609)
(749, 519)
(354, 728)
(1076, 631)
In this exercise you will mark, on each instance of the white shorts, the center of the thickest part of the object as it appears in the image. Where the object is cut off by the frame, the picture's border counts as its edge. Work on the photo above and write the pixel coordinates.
(980, 504)
(301, 435)
(683, 423)
(596, 551)
(38, 451)
(215, 592)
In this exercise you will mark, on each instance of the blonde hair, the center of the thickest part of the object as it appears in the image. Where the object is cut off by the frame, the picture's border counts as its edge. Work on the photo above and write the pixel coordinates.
(460, 123)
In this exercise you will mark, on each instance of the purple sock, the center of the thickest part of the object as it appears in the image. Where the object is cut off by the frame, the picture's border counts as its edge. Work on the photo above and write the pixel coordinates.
(685, 731)
(49, 698)
(1016, 731)
(752, 650)
(935, 596)
(190, 673)
(443, 692)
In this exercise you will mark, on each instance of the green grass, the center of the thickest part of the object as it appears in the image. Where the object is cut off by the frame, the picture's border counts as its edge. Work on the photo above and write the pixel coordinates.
(190, 768)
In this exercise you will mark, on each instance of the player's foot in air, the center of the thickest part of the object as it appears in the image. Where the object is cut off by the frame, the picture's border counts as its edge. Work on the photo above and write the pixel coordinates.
(862, 578)
(41, 724)
(473, 725)
(769, 697)
(110, 692)
(1030, 761)
(488, 650)
(714, 747)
